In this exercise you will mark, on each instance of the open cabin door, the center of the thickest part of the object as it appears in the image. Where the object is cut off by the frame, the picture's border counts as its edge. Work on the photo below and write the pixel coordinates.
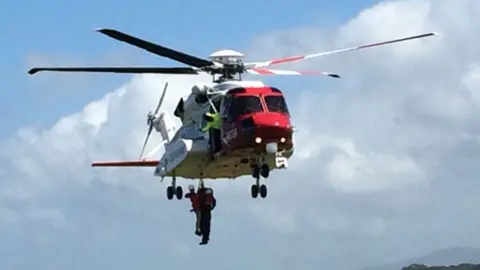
(224, 105)
(228, 120)
(215, 135)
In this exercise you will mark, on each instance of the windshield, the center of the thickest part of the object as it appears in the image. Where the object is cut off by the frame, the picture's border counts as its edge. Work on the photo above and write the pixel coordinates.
(245, 105)
(276, 104)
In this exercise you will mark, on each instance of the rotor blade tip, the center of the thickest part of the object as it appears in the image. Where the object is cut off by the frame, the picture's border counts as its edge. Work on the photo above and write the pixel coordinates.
(102, 30)
(33, 71)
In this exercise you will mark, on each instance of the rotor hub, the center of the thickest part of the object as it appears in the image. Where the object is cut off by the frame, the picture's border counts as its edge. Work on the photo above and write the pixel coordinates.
(231, 63)
(150, 118)
(227, 57)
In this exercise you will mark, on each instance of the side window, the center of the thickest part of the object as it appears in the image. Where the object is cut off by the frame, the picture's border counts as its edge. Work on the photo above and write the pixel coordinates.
(227, 108)
(247, 105)
(241, 105)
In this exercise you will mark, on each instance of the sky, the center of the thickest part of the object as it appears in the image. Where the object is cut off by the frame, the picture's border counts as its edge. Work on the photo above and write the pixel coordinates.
(61, 33)
(386, 162)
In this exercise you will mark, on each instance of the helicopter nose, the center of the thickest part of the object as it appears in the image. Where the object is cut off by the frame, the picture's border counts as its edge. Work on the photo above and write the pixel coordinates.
(272, 130)
(272, 134)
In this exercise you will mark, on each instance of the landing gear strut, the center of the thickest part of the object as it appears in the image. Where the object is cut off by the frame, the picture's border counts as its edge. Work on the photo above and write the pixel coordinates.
(262, 170)
(174, 190)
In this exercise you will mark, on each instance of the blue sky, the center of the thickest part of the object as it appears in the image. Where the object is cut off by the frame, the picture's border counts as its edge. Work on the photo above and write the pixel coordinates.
(62, 31)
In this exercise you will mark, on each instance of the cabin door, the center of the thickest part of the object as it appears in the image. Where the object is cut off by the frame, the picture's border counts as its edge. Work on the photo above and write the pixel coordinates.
(227, 119)
(215, 135)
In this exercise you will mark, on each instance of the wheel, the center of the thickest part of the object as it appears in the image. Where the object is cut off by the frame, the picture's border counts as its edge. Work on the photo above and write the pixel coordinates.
(265, 171)
(256, 172)
(170, 192)
(179, 192)
(254, 191)
(263, 191)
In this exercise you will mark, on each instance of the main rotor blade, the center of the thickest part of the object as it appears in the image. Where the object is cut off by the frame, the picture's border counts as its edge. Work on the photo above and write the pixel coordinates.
(308, 56)
(157, 49)
(174, 70)
(268, 71)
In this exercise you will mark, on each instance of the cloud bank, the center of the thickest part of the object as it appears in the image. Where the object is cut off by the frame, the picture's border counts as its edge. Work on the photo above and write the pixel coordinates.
(387, 162)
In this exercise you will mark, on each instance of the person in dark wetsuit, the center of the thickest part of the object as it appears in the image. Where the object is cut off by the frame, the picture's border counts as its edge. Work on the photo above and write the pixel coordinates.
(207, 204)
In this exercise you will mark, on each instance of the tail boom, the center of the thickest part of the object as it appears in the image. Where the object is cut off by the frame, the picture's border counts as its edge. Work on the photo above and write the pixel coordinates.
(126, 163)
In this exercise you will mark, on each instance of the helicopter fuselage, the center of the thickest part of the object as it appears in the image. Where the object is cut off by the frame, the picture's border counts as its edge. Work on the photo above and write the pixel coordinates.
(256, 128)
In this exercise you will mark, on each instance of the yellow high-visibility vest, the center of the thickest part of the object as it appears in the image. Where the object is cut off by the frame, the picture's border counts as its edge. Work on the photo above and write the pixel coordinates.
(215, 123)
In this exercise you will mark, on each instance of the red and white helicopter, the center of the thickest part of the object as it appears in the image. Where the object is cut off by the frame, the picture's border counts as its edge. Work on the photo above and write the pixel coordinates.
(256, 136)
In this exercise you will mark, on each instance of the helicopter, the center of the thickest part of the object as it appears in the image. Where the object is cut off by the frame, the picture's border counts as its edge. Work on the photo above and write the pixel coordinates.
(256, 136)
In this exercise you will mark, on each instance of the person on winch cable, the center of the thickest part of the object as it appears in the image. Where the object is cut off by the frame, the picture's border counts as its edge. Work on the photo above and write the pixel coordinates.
(207, 204)
(193, 196)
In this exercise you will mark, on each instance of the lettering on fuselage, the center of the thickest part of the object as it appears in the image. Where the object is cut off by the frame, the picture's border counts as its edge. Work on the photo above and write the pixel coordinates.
(231, 134)
(281, 162)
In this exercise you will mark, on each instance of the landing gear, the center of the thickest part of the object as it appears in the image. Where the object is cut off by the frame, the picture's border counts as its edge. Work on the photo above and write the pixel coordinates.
(179, 193)
(257, 171)
(170, 192)
(174, 190)
(265, 171)
(254, 191)
(257, 188)
(263, 191)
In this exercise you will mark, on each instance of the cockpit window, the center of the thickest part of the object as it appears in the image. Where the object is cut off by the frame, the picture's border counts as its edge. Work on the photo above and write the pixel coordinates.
(276, 104)
(248, 104)
(241, 105)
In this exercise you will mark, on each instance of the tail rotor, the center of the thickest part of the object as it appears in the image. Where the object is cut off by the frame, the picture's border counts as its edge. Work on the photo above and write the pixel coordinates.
(151, 117)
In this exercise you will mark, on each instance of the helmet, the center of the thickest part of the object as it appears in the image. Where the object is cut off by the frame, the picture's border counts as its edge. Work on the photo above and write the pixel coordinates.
(208, 117)
(191, 187)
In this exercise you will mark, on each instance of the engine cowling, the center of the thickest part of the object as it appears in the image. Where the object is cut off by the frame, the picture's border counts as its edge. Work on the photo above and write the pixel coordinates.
(164, 124)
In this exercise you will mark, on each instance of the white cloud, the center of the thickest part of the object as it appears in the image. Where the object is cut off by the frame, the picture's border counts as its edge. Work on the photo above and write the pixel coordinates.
(386, 157)
(352, 171)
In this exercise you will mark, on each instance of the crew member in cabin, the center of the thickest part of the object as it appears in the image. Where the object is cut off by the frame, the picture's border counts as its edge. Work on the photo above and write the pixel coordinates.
(194, 198)
(213, 121)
